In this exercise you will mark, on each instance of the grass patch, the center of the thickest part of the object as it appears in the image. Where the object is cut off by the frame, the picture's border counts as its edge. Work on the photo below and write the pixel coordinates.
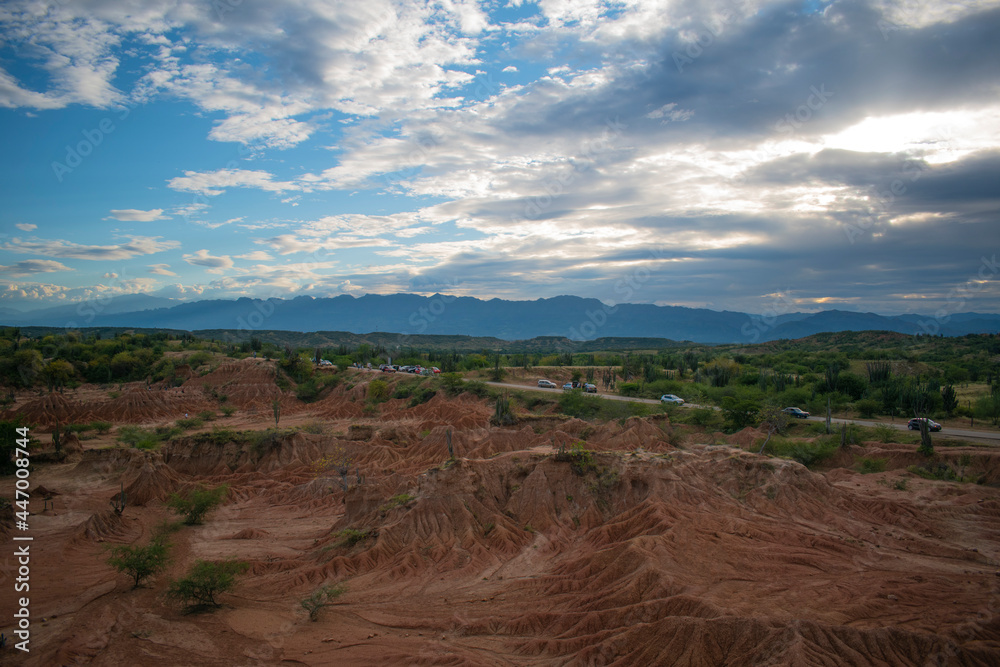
(351, 536)
(806, 453)
(394, 502)
(869, 465)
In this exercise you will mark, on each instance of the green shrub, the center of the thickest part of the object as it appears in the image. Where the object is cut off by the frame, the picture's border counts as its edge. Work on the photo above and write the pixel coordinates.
(197, 502)
(140, 563)
(351, 536)
(138, 437)
(207, 415)
(394, 502)
(190, 423)
(939, 471)
(205, 580)
(806, 453)
(228, 410)
(869, 465)
(101, 426)
(421, 395)
(378, 391)
(322, 597)
(884, 433)
(867, 407)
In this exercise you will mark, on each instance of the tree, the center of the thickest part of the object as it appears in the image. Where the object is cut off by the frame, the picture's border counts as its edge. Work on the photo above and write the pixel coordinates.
(205, 580)
(276, 409)
(197, 502)
(322, 597)
(926, 446)
(739, 413)
(57, 373)
(140, 563)
(949, 398)
(773, 420)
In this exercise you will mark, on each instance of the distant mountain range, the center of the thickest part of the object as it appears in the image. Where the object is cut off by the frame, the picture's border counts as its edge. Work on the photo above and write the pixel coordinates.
(571, 317)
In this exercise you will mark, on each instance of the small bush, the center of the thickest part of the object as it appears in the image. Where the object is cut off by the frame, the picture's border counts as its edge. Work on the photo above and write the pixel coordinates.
(228, 410)
(140, 563)
(101, 426)
(394, 502)
(939, 471)
(322, 597)
(378, 391)
(207, 415)
(869, 465)
(884, 433)
(197, 502)
(205, 580)
(805, 453)
(190, 423)
(867, 407)
(351, 536)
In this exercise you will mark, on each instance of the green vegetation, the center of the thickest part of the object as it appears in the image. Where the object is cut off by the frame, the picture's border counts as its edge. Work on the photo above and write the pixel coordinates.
(141, 562)
(806, 453)
(869, 465)
(197, 502)
(204, 581)
(322, 597)
(351, 536)
(394, 502)
(144, 438)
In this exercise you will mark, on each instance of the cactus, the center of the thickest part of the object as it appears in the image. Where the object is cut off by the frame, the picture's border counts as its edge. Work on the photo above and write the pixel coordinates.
(451, 451)
(118, 502)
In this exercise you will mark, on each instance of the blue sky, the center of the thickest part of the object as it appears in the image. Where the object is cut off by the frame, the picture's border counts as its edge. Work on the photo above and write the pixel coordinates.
(752, 156)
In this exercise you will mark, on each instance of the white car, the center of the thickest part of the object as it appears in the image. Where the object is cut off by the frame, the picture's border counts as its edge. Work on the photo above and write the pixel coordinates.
(670, 398)
(547, 384)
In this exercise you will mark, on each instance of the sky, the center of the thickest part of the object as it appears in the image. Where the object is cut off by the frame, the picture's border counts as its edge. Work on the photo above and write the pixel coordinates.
(763, 157)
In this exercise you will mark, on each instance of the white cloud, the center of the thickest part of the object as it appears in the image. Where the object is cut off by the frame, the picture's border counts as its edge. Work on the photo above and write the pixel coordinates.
(30, 266)
(214, 183)
(257, 256)
(509, 68)
(136, 215)
(161, 270)
(26, 226)
(136, 245)
(213, 264)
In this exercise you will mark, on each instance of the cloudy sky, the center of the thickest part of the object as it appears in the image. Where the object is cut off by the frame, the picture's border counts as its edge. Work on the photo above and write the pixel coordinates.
(751, 156)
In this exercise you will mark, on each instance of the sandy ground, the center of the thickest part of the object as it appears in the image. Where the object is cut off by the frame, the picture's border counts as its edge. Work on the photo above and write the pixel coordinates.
(657, 549)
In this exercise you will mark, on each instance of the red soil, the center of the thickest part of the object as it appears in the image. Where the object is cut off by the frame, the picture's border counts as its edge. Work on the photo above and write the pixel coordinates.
(511, 553)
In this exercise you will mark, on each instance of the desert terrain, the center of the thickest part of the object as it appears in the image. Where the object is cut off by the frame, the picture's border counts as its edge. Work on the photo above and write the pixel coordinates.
(552, 541)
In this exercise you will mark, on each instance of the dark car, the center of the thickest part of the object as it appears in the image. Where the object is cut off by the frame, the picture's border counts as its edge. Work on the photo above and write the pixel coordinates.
(590, 388)
(914, 424)
(795, 412)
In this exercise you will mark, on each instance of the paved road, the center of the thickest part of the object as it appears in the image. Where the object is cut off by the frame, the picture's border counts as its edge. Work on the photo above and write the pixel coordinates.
(901, 426)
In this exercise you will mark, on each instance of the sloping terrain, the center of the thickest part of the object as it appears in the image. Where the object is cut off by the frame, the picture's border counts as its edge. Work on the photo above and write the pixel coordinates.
(521, 550)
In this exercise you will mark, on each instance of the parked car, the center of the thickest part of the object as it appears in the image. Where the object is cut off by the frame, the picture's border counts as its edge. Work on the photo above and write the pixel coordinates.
(590, 388)
(547, 384)
(914, 424)
(670, 398)
(435, 370)
(388, 369)
(795, 412)
(568, 385)
(325, 362)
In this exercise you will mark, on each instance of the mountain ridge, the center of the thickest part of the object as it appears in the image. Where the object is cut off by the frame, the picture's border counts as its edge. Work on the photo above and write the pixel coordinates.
(567, 316)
